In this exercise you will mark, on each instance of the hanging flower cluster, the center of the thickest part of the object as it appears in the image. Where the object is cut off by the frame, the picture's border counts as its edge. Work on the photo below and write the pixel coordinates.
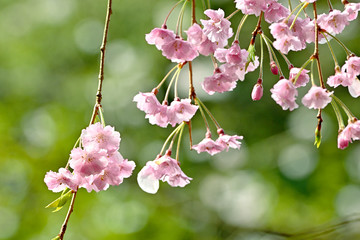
(292, 30)
(96, 165)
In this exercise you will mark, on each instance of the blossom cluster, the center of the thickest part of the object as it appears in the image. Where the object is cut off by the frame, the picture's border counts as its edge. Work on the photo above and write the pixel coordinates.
(96, 165)
(180, 110)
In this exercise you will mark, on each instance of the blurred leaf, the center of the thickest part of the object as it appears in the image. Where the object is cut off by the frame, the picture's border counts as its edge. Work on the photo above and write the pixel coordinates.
(60, 202)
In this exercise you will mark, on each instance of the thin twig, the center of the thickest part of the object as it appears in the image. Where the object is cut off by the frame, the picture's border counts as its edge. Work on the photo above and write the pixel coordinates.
(97, 105)
(64, 225)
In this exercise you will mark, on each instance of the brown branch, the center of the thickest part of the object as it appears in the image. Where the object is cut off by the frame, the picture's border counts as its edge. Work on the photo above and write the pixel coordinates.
(193, 17)
(71, 209)
(257, 29)
(102, 61)
(96, 108)
(316, 50)
(192, 94)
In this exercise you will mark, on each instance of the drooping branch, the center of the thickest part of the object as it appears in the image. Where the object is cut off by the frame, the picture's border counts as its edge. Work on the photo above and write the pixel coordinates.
(96, 108)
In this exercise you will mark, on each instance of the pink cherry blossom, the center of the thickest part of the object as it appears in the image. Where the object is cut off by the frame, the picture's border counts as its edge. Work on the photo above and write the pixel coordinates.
(219, 82)
(200, 41)
(352, 66)
(217, 29)
(340, 78)
(98, 137)
(317, 98)
(251, 6)
(351, 11)
(163, 168)
(309, 32)
(343, 142)
(88, 162)
(160, 37)
(210, 146)
(228, 141)
(179, 51)
(147, 102)
(303, 78)
(273, 68)
(257, 91)
(160, 118)
(333, 22)
(180, 111)
(354, 88)
(275, 12)
(352, 131)
(234, 55)
(284, 93)
(59, 181)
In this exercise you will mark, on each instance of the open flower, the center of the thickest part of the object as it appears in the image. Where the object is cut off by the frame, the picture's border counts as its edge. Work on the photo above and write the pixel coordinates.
(59, 181)
(317, 98)
(165, 169)
(284, 93)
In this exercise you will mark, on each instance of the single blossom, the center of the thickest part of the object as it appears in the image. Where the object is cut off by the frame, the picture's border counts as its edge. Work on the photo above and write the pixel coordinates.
(210, 146)
(228, 141)
(303, 78)
(351, 11)
(234, 55)
(59, 181)
(98, 137)
(317, 98)
(251, 6)
(181, 110)
(352, 66)
(165, 169)
(334, 22)
(147, 102)
(352, 131)
(179, 51)
(275, 12)
(340, 78)
(354, 88)
(200, 41)
(160, 37)
(219, 82)
(85, 162)
(217, 28)
(257, 91)
(160, 118)
(284, 93)
(343, 141)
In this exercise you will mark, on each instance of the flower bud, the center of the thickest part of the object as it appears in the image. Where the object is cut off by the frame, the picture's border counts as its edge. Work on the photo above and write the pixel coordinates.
(274, 69)
(342, 141)
(257, 91)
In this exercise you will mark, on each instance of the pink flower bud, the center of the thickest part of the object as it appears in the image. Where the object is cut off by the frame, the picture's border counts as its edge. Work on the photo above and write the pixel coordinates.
(274, 69)
(257, 91)
(343, 142)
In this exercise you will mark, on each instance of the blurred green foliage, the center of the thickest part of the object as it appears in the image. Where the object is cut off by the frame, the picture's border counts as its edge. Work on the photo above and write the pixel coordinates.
(278, 182)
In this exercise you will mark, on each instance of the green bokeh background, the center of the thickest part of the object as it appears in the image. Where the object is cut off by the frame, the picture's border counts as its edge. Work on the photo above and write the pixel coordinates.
(278, 181)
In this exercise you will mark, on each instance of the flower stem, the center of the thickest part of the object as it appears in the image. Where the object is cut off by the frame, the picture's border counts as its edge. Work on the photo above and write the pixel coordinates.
(344, 107)
(270, 49)
(170, 84)
(209, 113)
(348, 52)
(179, 142)
(316, 50)
(331, 50)
(242, 21)
(192, 94)
(166, 76)
(338, 115)
(302, 68)
(197, 102)
(232, 14)
(71, 209)
(172, 134)
(180, 20)
(193, 12)
(262, 57)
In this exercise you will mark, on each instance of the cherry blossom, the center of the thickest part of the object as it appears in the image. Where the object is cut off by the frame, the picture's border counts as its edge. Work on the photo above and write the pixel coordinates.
(160, 37)
(210, 146)
(181, 110)
(179, 51)
(303, 78)
(200, 41)
(217, 29)
(147, 102)
(284, 93)
(219, 82)
(317, 98)
(165, 169)
(251, 6)
(98, 137)
(59, 181)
